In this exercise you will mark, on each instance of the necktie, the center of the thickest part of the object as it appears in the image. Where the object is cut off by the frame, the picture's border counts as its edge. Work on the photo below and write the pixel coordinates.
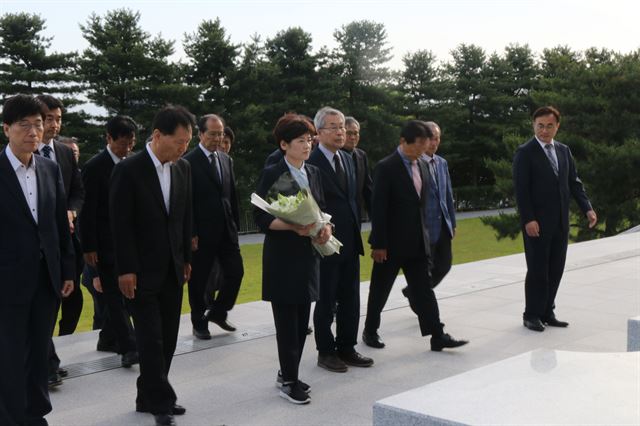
(342, 177)
(415, 175)
(552, 159)
(46, 151)
(216, 168)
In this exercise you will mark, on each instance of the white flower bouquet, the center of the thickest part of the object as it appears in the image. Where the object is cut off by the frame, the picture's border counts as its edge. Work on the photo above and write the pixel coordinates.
(300, 209)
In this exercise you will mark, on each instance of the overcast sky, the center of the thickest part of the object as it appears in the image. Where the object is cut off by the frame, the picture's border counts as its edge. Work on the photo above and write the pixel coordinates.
(438, 25)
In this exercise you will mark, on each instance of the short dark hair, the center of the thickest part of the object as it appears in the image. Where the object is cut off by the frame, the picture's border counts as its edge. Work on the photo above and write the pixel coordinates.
(291, 126)
(51, 102)
(121, 125)
(202, 122)
(170, 117)
(546, 110)
(229, 133)
(415, 129)
(20, 106)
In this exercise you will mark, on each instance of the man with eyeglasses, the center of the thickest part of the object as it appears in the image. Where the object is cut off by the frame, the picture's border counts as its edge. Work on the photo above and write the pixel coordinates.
(36, 262)
(545, 176)
(217, 263)
(339, 273)
(51, 148)
(361, 163)
(97, 238)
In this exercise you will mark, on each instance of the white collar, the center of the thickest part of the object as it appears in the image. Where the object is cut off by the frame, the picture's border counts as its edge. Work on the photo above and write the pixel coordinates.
(156, 162)
(15, 162)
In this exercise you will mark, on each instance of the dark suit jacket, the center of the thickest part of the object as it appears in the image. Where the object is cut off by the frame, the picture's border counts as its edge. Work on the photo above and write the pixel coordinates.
(363, 179)
(23, 240)
(95, 226)
(274, 157)
(341, 205)
(290, 264)
(542, 196)
(397, 213)
(148, 241)
(443, 198)
(215, 207)
(70, 176)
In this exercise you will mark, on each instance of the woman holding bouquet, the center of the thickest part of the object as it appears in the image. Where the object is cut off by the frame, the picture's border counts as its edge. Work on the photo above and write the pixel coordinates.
(290, 264)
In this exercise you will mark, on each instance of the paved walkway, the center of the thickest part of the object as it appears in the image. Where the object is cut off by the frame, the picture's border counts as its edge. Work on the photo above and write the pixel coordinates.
(230, 379)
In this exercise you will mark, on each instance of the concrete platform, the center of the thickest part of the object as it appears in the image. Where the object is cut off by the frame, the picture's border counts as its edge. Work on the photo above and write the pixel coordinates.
(230, 379)
(538, 387)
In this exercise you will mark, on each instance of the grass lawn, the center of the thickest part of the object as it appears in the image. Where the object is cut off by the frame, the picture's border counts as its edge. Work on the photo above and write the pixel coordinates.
(473, 241)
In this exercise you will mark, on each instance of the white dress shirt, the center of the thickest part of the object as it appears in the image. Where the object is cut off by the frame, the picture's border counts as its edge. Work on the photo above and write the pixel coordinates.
(27, 178)
(552, 151)
(164, 176)
(114, 157)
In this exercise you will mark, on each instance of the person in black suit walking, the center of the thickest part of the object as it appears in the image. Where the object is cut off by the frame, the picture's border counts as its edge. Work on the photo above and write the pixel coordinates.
(340, 273)
(36, 262)
(215, 230)
(95, 227)
(71, 306)
(290, 264)
(545, 176)
(361, 163)
(399, 238)
(150, 215)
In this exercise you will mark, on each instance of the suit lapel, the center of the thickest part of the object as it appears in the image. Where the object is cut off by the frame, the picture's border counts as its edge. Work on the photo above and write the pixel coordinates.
(404, 175)
(207, 167)
(10, 180)
(324, 165)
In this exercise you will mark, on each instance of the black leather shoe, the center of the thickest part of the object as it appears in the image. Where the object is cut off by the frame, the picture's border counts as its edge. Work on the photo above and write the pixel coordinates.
(555, 322)
(405, 292)
(165, 420)
(355, 359)
(103, 346)
(332, 362)
(533, 324)
(177, 410)
(373, 340)
(445, 341)
(202, 334)
(129, 358)
(63, 372)
(54, 380)
(209, 315)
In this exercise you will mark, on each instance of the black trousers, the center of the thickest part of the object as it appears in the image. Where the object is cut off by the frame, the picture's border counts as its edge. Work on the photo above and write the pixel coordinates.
(201, 290)
(156, 317)
(441, 256)
(422, 299)
(291, 321)
(116, 312)
(339, 294)
(25, 332)
(546, 256)
(71, 306)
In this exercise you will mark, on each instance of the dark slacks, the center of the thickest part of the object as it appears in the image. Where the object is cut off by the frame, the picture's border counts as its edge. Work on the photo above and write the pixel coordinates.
(422, 299)
(116, 312)
(201, 291)
(71, 307)
(99, 308)
(25, 332)
(291, 321)
(441, 256)
(546, 256)
(156, 317)
(339, 293)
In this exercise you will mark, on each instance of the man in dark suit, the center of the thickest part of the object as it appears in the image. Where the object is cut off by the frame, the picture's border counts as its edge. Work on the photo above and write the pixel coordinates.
(95, 227)
(399, 238)
(545, 176)
(63, 155)
(150, 215)
(440, 212)
(339, 273)
(36, 255)
(361, 163)
(215, 230)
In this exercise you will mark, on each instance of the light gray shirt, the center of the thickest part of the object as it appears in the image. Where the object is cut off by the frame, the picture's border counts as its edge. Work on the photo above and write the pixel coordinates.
(27, 178)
